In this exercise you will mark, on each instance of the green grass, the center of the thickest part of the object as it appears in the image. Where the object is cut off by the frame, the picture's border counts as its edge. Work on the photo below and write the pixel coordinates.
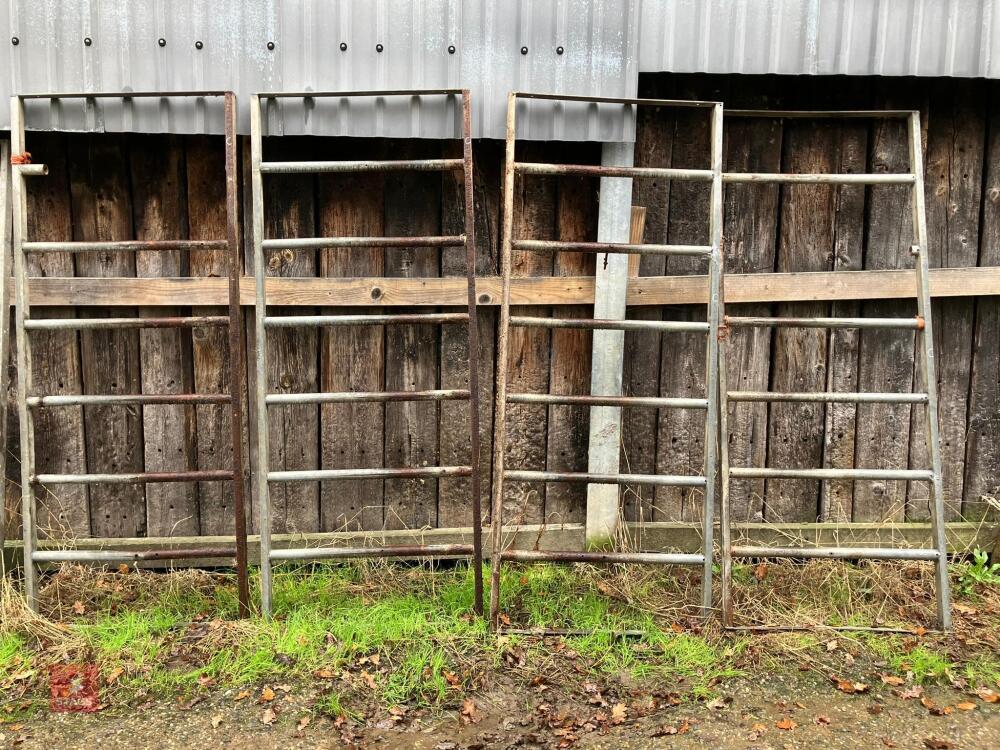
(15, 656)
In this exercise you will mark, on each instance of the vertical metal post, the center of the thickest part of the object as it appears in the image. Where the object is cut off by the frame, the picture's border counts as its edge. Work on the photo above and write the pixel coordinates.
(500, 415)
(260, 312)
(604, 444)
(25, 420)
(712, 356)
(5, 245)
(236, 357)
(470, 271)
(926, 335)
(725, 517)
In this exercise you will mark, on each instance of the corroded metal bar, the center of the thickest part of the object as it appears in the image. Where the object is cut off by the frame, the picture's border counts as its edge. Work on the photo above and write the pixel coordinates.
(357, 94)
(311, 167)
(150, 477)
(645, 558)
(316, 243)
(617, 325)
(125, 246)
(359, 396)
(320, 475)
(847, 114)
(146, 399)
(680, 103)
(912, 475)
(755, 322)
(188, 553)
(80, 324)
(594, 170)
(610, 247)
(653, 402)
(837, 553)
(818, 179)
(664, 480)
(831, 398)
(350, 553)
(291, 321)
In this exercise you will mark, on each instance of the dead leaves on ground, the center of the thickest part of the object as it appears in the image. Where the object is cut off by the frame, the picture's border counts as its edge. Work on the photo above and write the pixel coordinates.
(849, 686)
(786, 724)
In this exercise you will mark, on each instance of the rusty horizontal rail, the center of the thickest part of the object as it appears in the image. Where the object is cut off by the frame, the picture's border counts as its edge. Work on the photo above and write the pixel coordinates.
(147, 399)
(916, 323)
(610, 247)
(819, 179)
(654, 402)
(313, 167)
(838, 553)
(124, 246)
(291, 321)
(648, 558)
(912, 475)
(359, 94)
(349, 397)
(152, 477)
(88, 324)
(678, 103)
(188, 553)
(847, 114)
(349, 553)
(594, 170)
(129, 95)
(317, 243)
(663, 480)
(321, 475)
(830, 398)
(619, 325)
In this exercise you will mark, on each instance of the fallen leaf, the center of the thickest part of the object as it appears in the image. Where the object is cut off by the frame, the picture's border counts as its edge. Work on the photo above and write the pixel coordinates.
(716, 703)
(451, 678)
(912, 692)
(114, 674)
(266, 696)
(206, 681)
(504, 618)
(268, 717)
(887, 742)
(891, 679)
(303, 723)
(849, 687)
(760, 572)
(919, 631)
(988, 696)
(823, 720)
(470, 712)
(759, 728)
(79, 608)
(324, 674)
(965, 609)
(123, 568)
(216, 721)
(619, 712)
(369, 680)
(832, 645)
(786, 724)
(242, 695)
(966, 706)
(664, 731)
(934, 744)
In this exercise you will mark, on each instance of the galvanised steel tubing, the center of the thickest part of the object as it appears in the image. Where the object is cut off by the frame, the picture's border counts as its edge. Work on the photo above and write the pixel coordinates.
(350, 397)
(125, 246)
(753, 322)
(293, 321)
(653, 402)
(837, 553)
(34, 170)
(5, 270)
(725, 520)
(819, 179)
(237, 354)
(595, 170)
(552, 246)
(106, 556)
(357, 94)
(662, 480)
(130, 95)
(680, 103)
(351, 553)
(49, 324)
(260, 356)
(911, 475)
(932, 427)
(149, 477)
(147, 399)
(472, 305)
(320, 475)
(312, 167)
(618, 325)
(642, 558)
(847, 114)
(830, 398)
(316, 243)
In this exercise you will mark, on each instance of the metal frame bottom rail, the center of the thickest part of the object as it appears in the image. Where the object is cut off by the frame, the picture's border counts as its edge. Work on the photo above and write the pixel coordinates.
(265, 322)
(28, 401)
(921, 324)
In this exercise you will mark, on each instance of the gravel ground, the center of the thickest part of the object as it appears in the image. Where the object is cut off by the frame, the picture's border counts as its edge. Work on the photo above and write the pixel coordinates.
(747, 715)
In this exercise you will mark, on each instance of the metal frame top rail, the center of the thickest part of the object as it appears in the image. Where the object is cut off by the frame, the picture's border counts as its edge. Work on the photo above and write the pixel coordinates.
(259, 168)
(28, 401)
(712, 250)
(921, 324)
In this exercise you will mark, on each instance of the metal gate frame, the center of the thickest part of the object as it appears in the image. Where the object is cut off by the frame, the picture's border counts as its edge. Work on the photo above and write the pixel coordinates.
(5, 248)
(27, 400)
(921, 324)
(710, 403)
(264, 321)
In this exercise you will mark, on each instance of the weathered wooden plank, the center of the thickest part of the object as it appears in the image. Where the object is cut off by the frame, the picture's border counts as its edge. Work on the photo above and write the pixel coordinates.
(412, 208)
(749, 244)
(982, 451)
(160, 213)
(570, 355)
(59, 433)
(206, 193)
(953, 183)
(656, 536)
(101, 210)
(528, 363)
(352, 358)
(886, 357)
(292, 367)
(680, 443)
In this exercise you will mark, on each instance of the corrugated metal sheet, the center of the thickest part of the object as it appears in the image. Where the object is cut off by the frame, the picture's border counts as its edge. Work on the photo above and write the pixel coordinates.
(598, 38)
(854, 37)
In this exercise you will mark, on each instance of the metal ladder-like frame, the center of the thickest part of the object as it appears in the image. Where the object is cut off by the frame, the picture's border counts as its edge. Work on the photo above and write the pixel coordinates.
(710, 403)
(263, 322)
(921, 324)
(28, 401)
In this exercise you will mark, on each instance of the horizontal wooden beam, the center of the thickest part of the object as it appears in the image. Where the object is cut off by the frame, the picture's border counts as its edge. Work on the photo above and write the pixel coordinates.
(650, 537)
(563, 290)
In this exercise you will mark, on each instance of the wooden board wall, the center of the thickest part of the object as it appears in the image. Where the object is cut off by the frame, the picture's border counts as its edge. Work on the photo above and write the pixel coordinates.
(162, 186)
